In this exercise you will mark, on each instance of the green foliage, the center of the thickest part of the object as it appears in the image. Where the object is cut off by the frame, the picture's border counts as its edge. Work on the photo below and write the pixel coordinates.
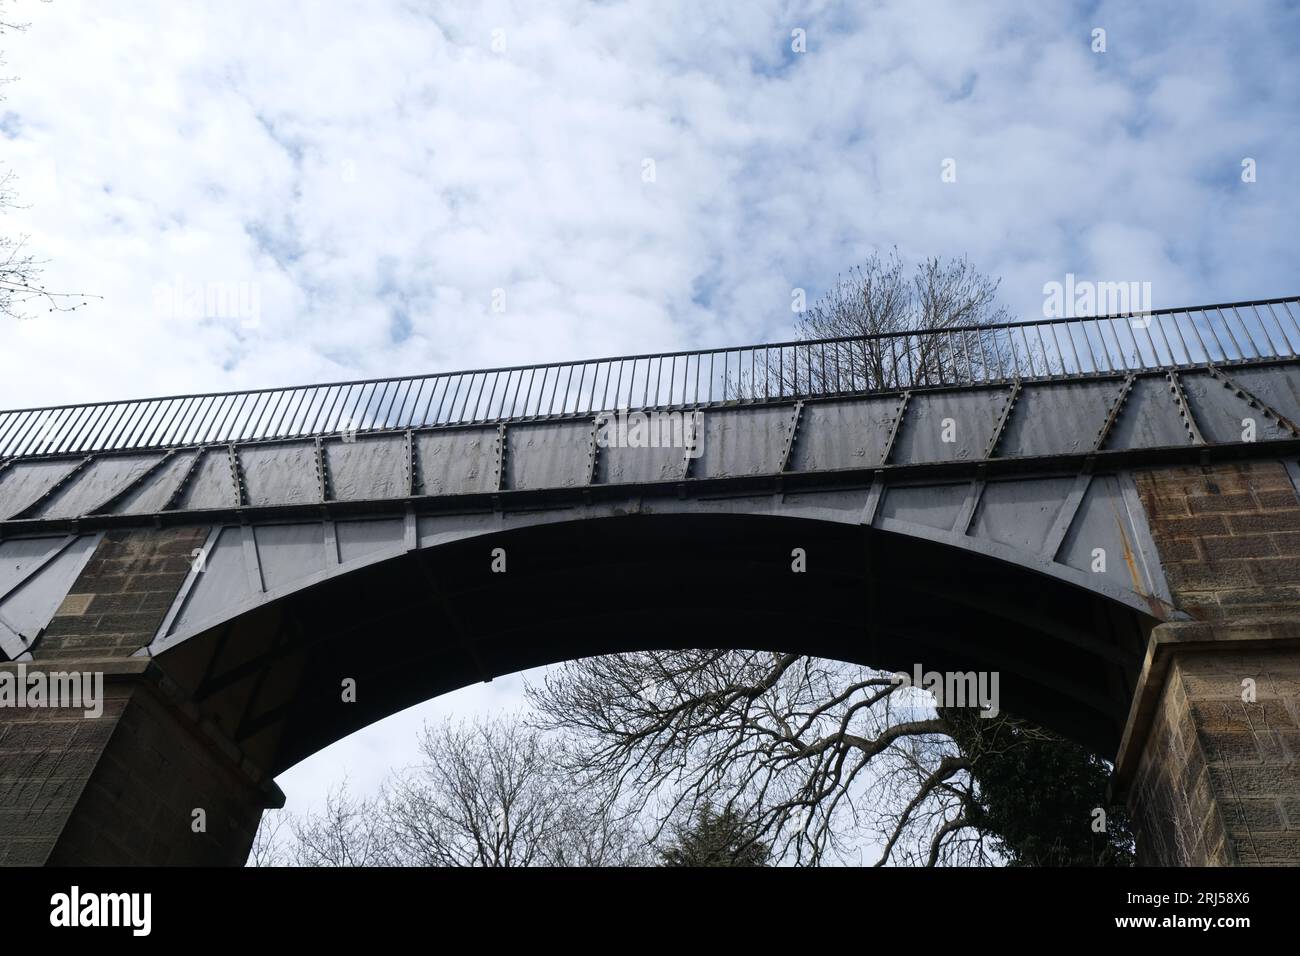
(716, 839)
(1038, 794)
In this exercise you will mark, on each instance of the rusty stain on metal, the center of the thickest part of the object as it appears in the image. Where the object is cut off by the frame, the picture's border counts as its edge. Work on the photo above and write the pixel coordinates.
(1139, 586)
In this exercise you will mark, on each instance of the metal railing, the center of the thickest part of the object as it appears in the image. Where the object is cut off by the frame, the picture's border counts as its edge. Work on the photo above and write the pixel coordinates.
(1034, 350)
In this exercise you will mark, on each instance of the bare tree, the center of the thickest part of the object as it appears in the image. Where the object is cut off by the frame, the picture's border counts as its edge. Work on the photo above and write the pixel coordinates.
(269, 847)
(780, 739)
(348, 832)
(894, 329)
(488, 793)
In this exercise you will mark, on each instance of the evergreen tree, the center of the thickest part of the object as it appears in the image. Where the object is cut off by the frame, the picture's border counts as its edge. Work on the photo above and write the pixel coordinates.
(1038, 794)
(716, 839)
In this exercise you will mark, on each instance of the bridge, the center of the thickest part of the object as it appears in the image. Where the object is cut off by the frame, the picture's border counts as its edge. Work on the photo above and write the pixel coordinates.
(1102, 510)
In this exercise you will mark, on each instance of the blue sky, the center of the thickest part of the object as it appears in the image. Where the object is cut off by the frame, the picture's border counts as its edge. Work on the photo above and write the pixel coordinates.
(376, 170)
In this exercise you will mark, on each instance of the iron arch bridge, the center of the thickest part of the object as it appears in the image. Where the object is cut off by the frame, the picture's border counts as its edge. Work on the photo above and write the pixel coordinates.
(973, 498)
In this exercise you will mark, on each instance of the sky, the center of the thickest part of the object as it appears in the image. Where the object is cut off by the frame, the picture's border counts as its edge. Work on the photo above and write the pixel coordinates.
(397, 187)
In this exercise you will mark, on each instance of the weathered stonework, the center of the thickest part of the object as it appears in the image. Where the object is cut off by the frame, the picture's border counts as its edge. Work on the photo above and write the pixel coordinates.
(122, 594)
(122, 787)
(46, 758)
(1228, 537)
(1211, 755)
(165, 790)
(1211, 758)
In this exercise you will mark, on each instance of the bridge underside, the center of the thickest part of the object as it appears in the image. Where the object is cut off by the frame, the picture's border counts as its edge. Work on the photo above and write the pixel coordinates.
(431, 621)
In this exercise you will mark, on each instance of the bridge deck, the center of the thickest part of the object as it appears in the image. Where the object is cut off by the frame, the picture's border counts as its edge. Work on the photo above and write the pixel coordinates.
(794, 423)
(1051, 350)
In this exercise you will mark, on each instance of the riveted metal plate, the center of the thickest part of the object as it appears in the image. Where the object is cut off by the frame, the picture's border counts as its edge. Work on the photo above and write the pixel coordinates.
(367, 468)
(742, 441)
(100, 481)
(457, 462)
(848, 434)
(935, 506)
(547, 454)
(1057, 418)
(156, 490)
(1149, 418)
(23, 483)
(1222, 414)
(280, 474)
(932, 418)
(1020, 513)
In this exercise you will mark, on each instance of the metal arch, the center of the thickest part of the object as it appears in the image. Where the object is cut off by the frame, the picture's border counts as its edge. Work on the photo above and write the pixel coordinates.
(1024, 615)
(1061, 683)
(819, 464)
(457, 624)
(860, 506)
(1034, 562)
(857, 455)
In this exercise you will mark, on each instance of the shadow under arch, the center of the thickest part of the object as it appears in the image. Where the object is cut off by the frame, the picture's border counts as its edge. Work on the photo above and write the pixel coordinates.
(431, 621)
